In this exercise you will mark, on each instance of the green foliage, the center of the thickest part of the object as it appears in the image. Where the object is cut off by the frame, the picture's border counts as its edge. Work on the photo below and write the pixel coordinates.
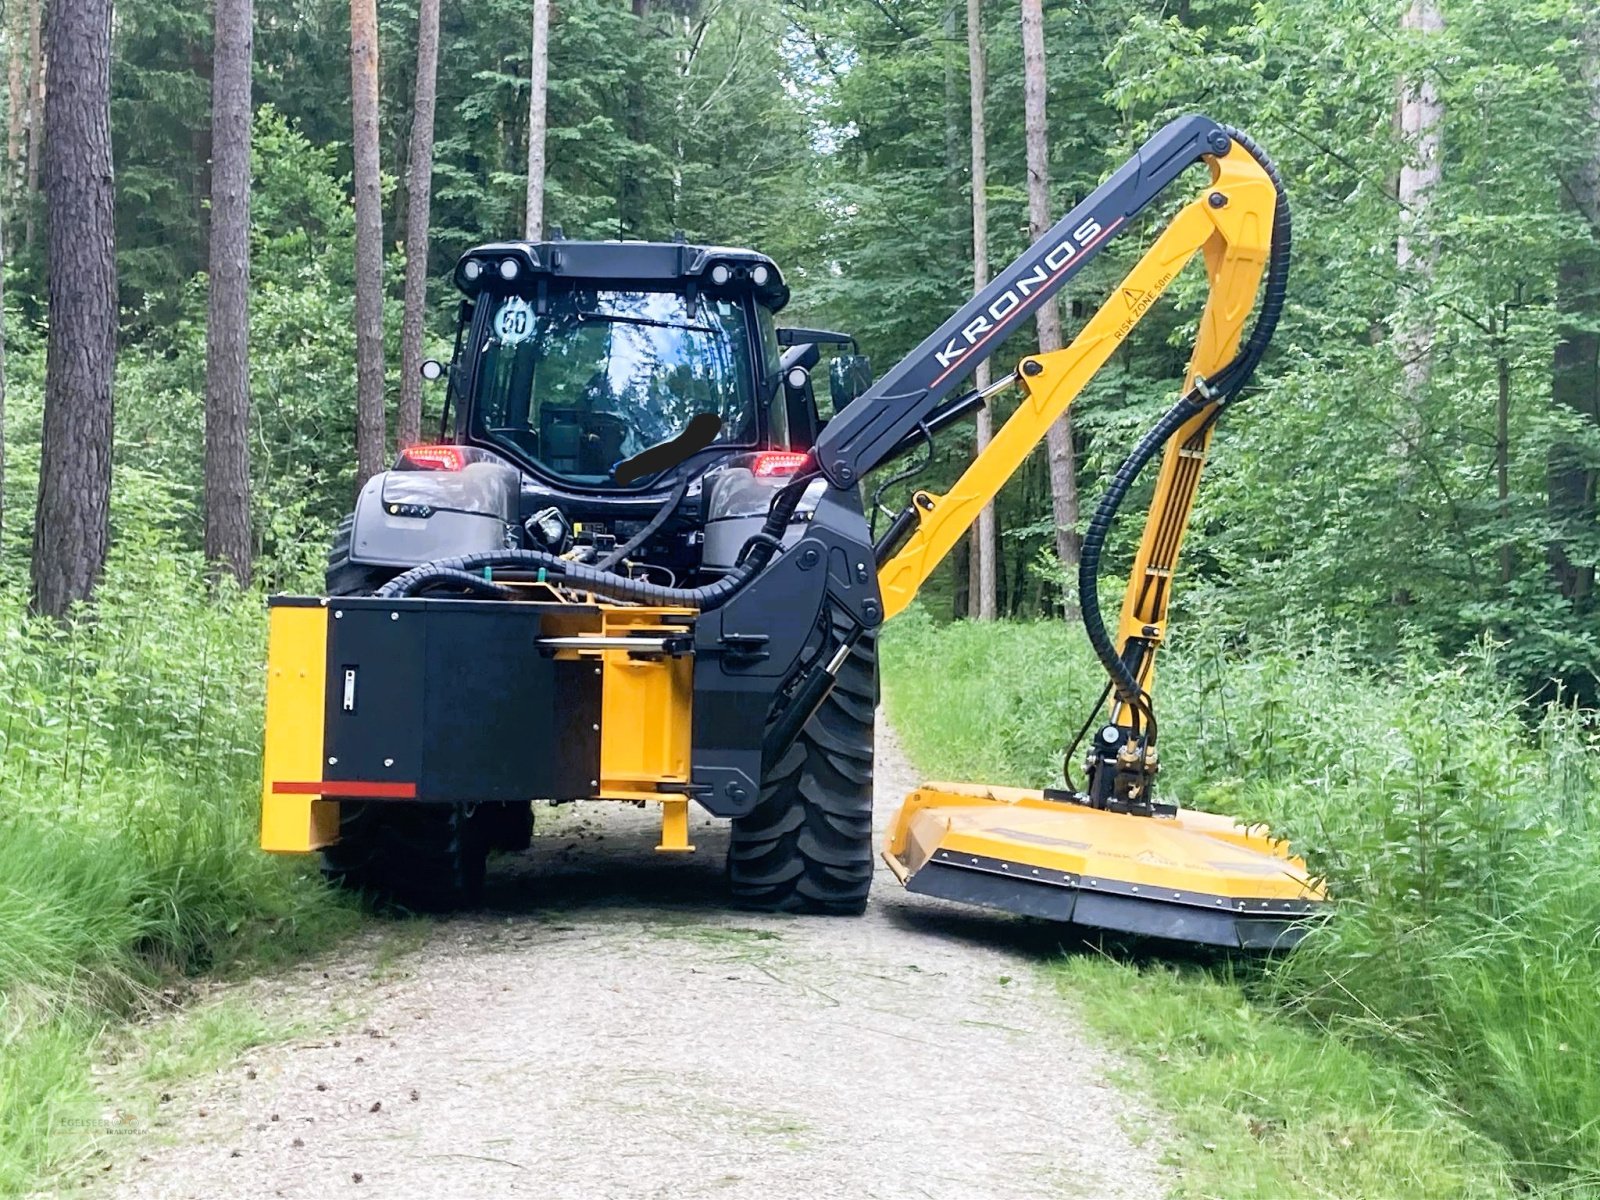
(1337, 496)
(1266, 1107)
(1334, 496)
(130, 764)
(302, 369)
(1459, 842)
(1452, 816)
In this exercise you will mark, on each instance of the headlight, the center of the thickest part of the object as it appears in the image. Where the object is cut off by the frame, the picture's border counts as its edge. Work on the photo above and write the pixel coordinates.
(471, 269)
(720, 274)
(759, 275)
(509, 269)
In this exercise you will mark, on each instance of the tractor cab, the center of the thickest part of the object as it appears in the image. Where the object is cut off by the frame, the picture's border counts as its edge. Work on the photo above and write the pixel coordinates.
(632, 398)
(573, 358)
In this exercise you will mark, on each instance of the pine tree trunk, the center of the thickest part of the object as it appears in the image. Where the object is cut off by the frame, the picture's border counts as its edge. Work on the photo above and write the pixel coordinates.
(16, 91)
(1058, 440)
(538, 80)
(227, 491)
(1421, 122)
(630, 187)
(982, 604)
(35, 122)
(419, 198)
(3, 244)
(369, 240)
(1574, 488)
(72, 523)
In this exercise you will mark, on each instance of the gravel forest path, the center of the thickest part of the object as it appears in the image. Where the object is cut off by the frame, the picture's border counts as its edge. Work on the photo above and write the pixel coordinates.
(604, 1027)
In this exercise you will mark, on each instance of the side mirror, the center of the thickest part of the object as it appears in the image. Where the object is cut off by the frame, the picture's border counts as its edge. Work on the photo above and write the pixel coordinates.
(848, 376)
(432, 369)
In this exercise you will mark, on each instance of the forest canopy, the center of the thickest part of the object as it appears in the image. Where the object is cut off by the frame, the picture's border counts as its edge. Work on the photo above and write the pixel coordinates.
(1416, 463)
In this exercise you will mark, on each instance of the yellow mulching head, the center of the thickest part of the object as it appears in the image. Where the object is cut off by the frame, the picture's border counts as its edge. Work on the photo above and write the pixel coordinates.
(1193, 877)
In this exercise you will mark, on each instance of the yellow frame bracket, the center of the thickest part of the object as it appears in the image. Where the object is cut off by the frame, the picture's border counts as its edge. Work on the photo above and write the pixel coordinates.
(675, 826)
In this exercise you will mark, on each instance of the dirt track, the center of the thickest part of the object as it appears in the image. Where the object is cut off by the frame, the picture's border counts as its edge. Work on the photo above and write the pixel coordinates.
(607, 1029)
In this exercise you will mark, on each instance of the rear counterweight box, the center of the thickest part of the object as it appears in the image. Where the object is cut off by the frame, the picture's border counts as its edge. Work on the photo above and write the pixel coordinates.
(422, 700)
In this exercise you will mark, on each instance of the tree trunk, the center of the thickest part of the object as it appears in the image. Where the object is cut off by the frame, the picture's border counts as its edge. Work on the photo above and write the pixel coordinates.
(1502, 447)
(369, 240)
(538, 80)
(1575, 369)
(227, 494)
(419, 197)
(2, 375)
(72, 523)
(1421, 123)
(630, 187)
(1058, 440)
(36, 56)
(982, 603)
(17, 84)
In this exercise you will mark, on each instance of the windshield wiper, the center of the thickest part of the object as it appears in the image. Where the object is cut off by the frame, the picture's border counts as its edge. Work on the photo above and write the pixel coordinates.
(623, 319)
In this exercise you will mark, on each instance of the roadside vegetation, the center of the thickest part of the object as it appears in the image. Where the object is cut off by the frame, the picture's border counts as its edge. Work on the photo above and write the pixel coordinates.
(130, 734)
(129, 768)
(1417, 469)
(1458, 986)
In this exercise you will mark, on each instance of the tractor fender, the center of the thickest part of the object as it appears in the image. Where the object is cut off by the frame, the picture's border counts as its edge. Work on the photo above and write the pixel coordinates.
(736, 510)
(404, 518)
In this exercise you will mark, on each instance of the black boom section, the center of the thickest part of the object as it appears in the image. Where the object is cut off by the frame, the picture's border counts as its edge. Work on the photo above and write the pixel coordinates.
(868, 430)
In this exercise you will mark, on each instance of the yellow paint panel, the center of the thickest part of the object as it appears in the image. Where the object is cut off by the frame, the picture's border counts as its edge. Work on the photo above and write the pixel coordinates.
(297, 664)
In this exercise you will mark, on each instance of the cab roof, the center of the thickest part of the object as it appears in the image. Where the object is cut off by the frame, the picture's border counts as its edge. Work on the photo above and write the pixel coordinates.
(652, 264)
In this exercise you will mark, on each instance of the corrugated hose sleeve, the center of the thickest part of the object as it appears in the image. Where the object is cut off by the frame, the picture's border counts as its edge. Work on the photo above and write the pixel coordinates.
(570, 574)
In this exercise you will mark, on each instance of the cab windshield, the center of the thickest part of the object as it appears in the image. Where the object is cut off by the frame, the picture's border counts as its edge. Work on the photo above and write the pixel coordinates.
(604, 375)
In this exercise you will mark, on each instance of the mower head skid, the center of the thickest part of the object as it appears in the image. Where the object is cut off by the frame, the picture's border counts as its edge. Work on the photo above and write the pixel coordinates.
(1195, 877)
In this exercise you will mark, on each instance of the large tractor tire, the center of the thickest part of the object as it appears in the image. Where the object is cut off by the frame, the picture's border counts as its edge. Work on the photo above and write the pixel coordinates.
(807, 845)
(422, 857)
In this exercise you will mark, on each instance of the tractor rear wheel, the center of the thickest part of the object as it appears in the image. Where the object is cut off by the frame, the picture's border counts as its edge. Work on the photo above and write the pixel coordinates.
(423, 857)
(807, 845)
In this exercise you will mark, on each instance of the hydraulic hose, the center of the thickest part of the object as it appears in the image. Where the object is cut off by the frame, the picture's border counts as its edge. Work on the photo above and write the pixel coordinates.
(1094, 543)
(1219, 390)
(761, 549)
(476, 584)
(616, 558)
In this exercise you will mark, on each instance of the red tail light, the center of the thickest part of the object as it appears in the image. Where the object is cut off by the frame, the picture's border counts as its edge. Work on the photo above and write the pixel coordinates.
(435, 458)
(778, 462)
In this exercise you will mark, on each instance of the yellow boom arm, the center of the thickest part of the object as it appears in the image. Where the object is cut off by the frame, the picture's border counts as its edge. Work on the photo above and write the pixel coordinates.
(1232, 223)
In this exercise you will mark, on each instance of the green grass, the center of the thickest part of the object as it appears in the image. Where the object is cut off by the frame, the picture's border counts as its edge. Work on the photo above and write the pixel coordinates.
(1456, 829)
(1265, 1106)
(211, 1036)
(129, 767)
